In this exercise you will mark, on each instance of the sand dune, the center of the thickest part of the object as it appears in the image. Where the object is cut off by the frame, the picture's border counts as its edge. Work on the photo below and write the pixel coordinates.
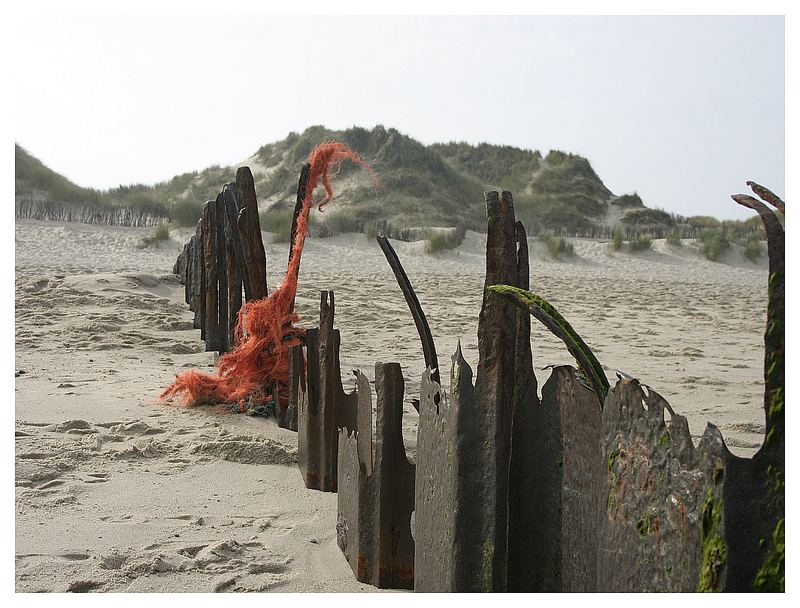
(116, 491)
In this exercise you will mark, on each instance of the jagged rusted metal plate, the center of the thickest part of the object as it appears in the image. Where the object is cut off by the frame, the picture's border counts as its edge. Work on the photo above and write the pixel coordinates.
(569, 476)
(661, 499)
(436, 486)
(420, 320)
(376, 487)
(322, 404)
(464, 447)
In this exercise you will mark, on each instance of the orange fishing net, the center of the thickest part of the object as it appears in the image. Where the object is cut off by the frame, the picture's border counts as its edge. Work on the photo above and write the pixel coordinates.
(265, 329)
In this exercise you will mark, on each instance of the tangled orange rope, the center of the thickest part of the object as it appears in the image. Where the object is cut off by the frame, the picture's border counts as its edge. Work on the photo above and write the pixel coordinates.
(265, 329)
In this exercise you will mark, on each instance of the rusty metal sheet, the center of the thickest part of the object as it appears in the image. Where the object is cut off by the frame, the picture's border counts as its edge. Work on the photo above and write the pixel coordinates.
(221, 255)
(198, 280)
(376, 487)
(420, 320)
(659, 489)
(437, 509)
(522, 490)
(322, 404)
(470, 552)
(568, 475)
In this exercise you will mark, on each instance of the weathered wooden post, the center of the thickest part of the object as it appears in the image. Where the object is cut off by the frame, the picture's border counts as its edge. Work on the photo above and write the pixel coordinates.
(179, 267)
(198, 280)
(376, 487)
(221, 253)
(287, 418)
(234, 257)
(322, 405)
(255, 259)
(211, 285)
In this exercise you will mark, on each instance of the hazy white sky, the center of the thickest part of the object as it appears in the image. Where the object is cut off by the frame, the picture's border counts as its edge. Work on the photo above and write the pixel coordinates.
(683, 110)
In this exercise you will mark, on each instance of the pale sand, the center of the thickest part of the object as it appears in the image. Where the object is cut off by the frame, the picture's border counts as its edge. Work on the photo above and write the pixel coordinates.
(118, 492)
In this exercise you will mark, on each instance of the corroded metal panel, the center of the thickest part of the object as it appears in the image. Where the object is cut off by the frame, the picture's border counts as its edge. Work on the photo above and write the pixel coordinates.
(376, 487)
(322, 404)
(522, 490)
(221, 253)
(663, 498)
(568, 475)
(438, 468)
(198, 280)
(473, 433)
(287, 418)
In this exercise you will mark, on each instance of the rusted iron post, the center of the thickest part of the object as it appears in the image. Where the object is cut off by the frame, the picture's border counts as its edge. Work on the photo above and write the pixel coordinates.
(302, 185)
(322, 405)
(437, 511)
(470, 553)
(485, 432)
(187, 273)
(568, 473)
(420, 320)
(255, 259)
(376, 487)
(211, 285)
(523, 492)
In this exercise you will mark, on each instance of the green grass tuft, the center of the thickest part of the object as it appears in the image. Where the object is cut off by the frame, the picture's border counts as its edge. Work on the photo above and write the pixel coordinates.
(616, 238)
(674, 238)
(556, 246)
(713, 243)
(279, 222)
(643, 242)
(753, 248)
(161, 234)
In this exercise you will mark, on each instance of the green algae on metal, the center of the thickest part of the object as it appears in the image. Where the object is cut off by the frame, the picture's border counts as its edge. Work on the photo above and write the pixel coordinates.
(713, 549)
(547, 314)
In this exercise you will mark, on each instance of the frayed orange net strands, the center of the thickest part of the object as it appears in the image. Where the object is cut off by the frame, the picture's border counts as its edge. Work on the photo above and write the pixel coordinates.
(265, 329)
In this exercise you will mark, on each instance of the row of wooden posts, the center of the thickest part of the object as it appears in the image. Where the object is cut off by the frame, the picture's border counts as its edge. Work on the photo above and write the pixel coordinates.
(510, 492)
(224, 256)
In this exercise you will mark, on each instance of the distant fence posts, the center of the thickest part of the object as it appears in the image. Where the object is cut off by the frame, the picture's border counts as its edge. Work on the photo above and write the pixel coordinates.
(38, 208)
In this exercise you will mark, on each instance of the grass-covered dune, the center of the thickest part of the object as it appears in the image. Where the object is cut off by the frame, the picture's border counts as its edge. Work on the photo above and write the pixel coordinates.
(418, 187)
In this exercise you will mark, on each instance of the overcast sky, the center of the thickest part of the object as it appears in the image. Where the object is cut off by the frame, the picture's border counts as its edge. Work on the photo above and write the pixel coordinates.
(682, 110)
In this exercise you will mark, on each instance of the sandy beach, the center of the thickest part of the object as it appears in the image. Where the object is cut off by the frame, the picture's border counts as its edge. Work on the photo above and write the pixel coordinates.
(117, 491)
